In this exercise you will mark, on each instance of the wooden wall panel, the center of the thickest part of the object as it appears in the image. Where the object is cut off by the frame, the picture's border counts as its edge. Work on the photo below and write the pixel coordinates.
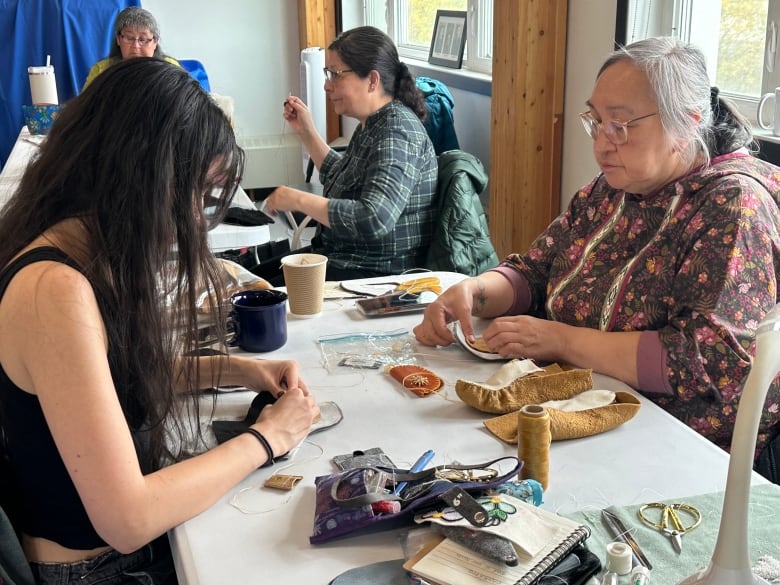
(529, 56)
(317, 28)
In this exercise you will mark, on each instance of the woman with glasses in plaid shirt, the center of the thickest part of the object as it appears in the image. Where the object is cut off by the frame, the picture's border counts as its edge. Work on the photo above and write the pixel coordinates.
(661, 268)
(136, 34)
(379, 209)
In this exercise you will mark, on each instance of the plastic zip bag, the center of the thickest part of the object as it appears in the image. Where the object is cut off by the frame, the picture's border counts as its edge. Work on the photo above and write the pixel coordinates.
(367, 350)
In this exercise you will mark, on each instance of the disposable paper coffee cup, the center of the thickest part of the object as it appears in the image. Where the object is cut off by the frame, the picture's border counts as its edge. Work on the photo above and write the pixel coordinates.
(304, 277)
(43, 85)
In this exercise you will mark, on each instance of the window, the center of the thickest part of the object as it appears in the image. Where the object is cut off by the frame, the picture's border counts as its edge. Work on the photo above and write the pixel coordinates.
(410, 24)
(738, 37)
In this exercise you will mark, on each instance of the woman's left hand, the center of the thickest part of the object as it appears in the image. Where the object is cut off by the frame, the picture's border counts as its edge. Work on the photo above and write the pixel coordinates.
(528, 337)
(274, 376)
(281, 199)
(289, 199)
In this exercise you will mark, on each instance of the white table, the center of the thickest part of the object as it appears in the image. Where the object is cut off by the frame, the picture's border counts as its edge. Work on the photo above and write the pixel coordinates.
(651, 457)
(222, 237)
(23, 150)
(233, 237)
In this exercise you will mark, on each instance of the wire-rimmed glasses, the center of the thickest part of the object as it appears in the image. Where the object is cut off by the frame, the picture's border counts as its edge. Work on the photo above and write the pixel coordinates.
(333, 75)
(128, 40)
(615, 131)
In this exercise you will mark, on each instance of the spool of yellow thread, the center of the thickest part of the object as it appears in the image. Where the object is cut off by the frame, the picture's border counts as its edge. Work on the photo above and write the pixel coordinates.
(533, 443)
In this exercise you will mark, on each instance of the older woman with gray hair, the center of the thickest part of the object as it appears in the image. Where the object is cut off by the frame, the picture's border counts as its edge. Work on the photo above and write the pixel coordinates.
(136, 34)
(661, 268)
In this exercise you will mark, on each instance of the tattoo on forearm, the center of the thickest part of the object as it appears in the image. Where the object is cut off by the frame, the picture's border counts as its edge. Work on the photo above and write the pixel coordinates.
(481, 299)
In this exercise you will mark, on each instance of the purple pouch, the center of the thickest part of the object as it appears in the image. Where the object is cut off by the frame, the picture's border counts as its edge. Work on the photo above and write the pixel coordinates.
(344, 500)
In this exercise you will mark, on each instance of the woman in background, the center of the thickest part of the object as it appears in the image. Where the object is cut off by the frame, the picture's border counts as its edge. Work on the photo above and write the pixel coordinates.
(379, 209)
(660, 270)
(136, 34)
(103, 254)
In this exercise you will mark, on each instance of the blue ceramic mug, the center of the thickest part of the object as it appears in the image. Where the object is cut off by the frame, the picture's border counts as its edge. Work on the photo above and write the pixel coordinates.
(259, 320)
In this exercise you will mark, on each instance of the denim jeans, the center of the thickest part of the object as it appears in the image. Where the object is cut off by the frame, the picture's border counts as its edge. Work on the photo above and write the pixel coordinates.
(149, 565)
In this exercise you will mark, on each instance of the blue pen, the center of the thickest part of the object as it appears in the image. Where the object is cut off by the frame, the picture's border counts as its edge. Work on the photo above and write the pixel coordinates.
(419, 465)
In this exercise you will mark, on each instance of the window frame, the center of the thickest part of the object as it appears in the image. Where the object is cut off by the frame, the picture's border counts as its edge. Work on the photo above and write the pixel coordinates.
(477, 25)
(675, 18)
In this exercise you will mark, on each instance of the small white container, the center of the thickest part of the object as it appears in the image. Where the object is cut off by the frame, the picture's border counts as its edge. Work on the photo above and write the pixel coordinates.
(43, 85)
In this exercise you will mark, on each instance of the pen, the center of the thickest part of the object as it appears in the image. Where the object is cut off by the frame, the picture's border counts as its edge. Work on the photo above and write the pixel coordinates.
(419, 465)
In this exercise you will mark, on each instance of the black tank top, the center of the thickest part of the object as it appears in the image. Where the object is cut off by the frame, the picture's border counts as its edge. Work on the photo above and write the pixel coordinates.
(49, 505)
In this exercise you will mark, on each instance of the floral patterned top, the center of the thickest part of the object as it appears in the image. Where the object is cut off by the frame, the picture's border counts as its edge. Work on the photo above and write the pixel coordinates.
(698, 262)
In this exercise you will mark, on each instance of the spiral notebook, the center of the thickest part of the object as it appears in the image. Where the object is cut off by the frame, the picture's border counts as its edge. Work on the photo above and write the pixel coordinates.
(547, 540)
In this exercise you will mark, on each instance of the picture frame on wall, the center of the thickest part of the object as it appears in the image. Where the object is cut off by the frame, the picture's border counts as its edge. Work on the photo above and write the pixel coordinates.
(449, 39)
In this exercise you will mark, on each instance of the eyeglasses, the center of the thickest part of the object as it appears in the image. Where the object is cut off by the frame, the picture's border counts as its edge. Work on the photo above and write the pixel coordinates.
(616, 132)
(222, 181)
(331, 75)
(133, 40)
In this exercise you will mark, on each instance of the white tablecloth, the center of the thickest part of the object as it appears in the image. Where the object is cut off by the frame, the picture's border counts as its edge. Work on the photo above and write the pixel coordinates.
(651, 457)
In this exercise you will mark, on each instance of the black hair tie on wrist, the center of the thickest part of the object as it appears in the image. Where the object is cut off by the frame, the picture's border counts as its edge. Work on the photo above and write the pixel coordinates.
(266, 445)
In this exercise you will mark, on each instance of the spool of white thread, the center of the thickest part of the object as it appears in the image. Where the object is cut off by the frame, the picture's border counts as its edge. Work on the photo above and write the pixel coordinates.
(619, 558)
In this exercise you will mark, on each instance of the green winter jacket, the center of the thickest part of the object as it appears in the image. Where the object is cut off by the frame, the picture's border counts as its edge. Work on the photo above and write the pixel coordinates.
(461, 242)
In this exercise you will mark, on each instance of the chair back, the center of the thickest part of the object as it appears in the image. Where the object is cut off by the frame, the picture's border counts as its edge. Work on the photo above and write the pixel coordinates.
(461, 242)
(14, 568)
(440, 122)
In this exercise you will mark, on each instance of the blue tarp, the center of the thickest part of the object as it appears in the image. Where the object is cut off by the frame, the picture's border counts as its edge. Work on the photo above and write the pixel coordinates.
(196, 69)
(76, 33)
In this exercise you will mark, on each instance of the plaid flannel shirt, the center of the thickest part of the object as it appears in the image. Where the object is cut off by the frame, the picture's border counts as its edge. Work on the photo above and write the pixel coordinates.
(382, 193)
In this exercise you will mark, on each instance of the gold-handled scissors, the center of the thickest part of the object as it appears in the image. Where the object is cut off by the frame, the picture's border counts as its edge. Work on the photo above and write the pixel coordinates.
(674, 520)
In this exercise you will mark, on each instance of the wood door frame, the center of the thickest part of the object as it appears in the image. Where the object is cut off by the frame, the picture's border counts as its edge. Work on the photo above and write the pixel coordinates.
(526, 134)
(317, 27)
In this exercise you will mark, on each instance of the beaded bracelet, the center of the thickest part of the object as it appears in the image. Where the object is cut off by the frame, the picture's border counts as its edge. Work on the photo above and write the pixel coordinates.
(266, 445)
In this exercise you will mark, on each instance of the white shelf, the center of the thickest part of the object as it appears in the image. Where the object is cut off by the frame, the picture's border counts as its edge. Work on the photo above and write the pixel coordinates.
(765, 135)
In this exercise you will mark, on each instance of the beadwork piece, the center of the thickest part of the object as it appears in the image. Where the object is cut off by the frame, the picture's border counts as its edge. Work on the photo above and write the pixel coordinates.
(282, 482)
(417, 379)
